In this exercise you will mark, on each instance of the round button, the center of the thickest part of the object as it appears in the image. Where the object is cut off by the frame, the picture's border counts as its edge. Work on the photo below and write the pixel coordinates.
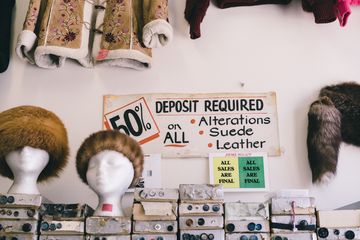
(152, 193)
(349, 234)
(201, 221)
(303, 223)
(44, 226)
(323, 232)
(14, 238)
(2, 212)
(336, 232)
(203, 236)
(253, 237)
(216, 208)
(26, 227)
(103, 238)
(251, 226)
(170, 228)
(186, 236)
(60, 208)
(8, 212)
(189, 207)
(3, 200)
(52, 227)
(189, 222)
(59, 226)
(277, 238)
(10, 199)
(206, 207)
(142, 238)
(96, 238)
(258, 227)
(193, 237)
(30, 212)
(161, 194)
(243, 237)
(211, 236)
(159, 238)
(157, 227)
(230, 227)
(16, 214)
(285, 238)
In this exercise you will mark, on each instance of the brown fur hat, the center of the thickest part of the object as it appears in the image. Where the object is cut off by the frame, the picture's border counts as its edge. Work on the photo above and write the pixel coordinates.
(38, 128)
(334, 118)
(110, 140)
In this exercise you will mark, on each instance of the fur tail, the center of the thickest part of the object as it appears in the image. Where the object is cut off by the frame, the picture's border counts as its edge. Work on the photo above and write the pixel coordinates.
(324, 138)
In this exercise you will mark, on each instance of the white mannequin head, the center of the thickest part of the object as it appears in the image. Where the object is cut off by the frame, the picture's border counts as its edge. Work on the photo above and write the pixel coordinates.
(109, 174)
(26, 165)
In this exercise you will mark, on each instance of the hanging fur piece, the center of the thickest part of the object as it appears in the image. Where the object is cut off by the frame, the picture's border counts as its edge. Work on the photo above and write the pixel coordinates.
(332, 119)
(34, 127)
(109, 140)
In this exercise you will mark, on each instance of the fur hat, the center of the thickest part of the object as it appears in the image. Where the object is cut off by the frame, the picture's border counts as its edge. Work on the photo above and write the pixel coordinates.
(335, 117)
(38, 128)
(110, 140)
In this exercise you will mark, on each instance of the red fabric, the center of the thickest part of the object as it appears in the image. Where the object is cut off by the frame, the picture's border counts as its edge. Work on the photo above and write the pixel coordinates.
(195, 11)
(343, 11)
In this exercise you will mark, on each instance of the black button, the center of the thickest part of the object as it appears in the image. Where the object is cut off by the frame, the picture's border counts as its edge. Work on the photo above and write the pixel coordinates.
(193, 237)
(203, 236)
(201, 221)
(26, 227)
(277, 238)
(10, 199)
(349, 234)
(336, 232)
(1, 227)
(251, 226)
(258, 227)
(8, 212)
(216, 208)
(44, 226)
(52, 227)
(211, 236)
(243, 237)
(303, 223)
(285, 238)
(59, 226)
(186, 236)
(16, 214)
(206, 207)
(189, 207)
(170, 228)
(323, 233)
(30, 212)
(142, 238)
(159, 238)
(96, 238)
(230, 227)
(103, 238)
(2, 212)
(60, 208)
(253, 237)
(14, 238)
(3, 200)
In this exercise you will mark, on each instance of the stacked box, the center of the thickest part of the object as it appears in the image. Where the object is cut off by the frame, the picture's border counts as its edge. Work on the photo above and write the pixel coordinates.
(201, 212)
(293, 218)
(110, 228)
(247, 221)
(338, 224)
(155, 214)
(19, 216)
(63, 221)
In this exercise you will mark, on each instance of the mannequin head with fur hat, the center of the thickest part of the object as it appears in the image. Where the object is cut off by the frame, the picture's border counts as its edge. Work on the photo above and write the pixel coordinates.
(33, 147)
(109, 162)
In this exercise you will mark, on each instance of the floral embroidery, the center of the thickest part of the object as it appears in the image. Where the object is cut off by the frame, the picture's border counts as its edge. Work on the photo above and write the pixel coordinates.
(162, 10)
(69, 23)
(115, 29)
(32, 15)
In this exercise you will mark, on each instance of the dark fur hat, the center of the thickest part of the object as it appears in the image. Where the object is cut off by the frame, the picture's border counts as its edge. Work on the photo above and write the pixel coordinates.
(38, 128)
(335, 117)
(110, 140)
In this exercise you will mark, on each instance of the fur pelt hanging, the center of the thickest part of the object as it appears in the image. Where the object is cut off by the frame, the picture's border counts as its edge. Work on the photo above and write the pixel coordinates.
(34, 127)
(334, 118)
(110, 140)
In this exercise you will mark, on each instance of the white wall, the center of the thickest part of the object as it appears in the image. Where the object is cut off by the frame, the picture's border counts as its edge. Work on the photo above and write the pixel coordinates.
(268, 48)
